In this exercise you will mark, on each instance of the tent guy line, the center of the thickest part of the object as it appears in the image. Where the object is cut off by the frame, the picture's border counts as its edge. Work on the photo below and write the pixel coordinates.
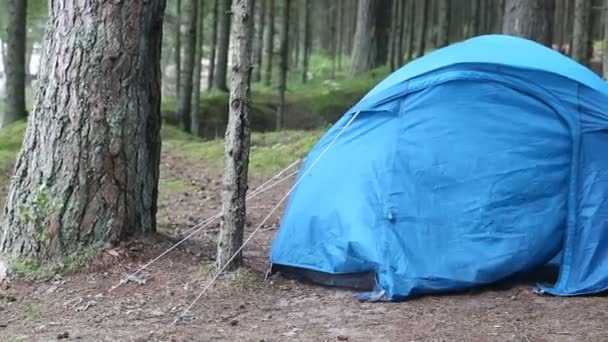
(197, 228)
(276, 207)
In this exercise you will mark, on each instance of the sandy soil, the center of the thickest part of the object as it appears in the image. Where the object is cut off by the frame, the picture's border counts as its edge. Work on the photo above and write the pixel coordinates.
(246, 307)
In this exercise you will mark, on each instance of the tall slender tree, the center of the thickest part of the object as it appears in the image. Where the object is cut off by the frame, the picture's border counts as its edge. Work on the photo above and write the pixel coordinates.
(88, 170)
(213, 47)
(15, 64)
(184, 101)
(223, 42)
(530, 19)
(178, 48)
(195, 122)
(363, 44)
(307, 39)
(605, 42)
(580, 37)
(421, 9)
(443, 34)
(258, 43)
(284, 64)
(236, 156)
(269, 42)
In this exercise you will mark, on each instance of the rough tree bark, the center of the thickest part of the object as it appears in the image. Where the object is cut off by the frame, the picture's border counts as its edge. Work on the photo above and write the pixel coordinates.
(307, 40)
(284, 65)
(236, 157)
(223, 42)
(363, 44)
(178, 49)
(269, 42)
(15, 62)
(443, 37)
(88, 170)
(531, 19)
(580, 36)
(258, 44)
(184, 101)
(195, 120)
(213, 47)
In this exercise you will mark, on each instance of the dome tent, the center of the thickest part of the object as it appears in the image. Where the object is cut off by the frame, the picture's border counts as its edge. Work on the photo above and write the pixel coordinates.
(481, 160)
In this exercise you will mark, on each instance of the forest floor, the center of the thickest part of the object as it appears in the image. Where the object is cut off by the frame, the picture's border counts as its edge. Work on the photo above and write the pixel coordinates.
(244, 306)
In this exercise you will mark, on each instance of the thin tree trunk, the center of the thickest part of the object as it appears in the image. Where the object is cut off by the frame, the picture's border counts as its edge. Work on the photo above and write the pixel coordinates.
(605, 42)
(333, 34)
(213, 47)
(580, 37)
(558, 27)
(284, 65)
(363, 45)
(421, 16)
(394, 35)
(178, 49)
(221, 68)
(411, 31)
(258, 43)
(340, 42)
(195, 121)
(184, 101)
(269, 43)
(236, 156)
(443, 38)
(399, 37)
(568, 21)
(88, 170)
(529, 19)
(296, 36)
(16, 37)
(307, 40)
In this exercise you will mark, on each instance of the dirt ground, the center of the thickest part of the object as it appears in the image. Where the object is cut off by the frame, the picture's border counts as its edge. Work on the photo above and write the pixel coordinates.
(246, 307)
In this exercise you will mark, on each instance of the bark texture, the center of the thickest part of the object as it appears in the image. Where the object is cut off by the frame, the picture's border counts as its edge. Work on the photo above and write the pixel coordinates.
(223, 41)
(178, 48)
(213, 48)
(14, 63)
(531, 19)
(236, 157)
(580, 36)
(258, 46)
(269, 42)
(283, 68)
(195, 118)
(88, 171)
(184, 101)
(363, 44)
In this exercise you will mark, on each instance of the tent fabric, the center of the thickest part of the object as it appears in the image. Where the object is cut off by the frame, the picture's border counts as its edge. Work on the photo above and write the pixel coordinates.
(476, 162)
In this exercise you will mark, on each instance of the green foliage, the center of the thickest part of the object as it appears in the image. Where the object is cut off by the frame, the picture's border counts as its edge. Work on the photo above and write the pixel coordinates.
(37, 213)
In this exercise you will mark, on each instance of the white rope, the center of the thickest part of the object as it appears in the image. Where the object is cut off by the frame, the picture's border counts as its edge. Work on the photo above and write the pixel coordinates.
(276, 207)
(197, 228)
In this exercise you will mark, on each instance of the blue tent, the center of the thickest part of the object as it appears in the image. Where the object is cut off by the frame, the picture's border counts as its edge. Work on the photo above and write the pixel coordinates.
(479, 161)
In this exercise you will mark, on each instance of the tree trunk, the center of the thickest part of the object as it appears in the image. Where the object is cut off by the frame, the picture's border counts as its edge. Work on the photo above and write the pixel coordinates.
(184, 101)
(269, 42)
(236, 156)
(332, 11)
(383, 20)
(605, 43)
(558, 25)
(295, 29)
(394, 36)
(178, 49)
(411, 31)
(15, 62)
(444, 24)
(195, 121)
(284, 65)
(421, 18)
(476, 18)
(258, 44)
(399, 39)
(221, 67)
(580, 37)
(340, 38)
(363, 48)
(213, 47)
(88, 170)
(307, 40)
(529, 19)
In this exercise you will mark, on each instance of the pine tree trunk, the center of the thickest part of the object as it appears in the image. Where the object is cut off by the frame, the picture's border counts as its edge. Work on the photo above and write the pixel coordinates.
(213, 47)
(394, 36)
(383, 20)
(307, 40)
(221, 68)
(284, 65)
(258, 43)
(558, 25)
(421, 17)
(269, 43)
(531, 19)
(340, 42)
(363, 48)
(399, 35)
(476, 18)
(580, 36)
(332, 11)
(195, 120)
(15, 62)
(444, 23)
(295, 28)
(178, 50)
(236, 157)
(411, 31)
(184, 101)
(605, 43)
(88, 170)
